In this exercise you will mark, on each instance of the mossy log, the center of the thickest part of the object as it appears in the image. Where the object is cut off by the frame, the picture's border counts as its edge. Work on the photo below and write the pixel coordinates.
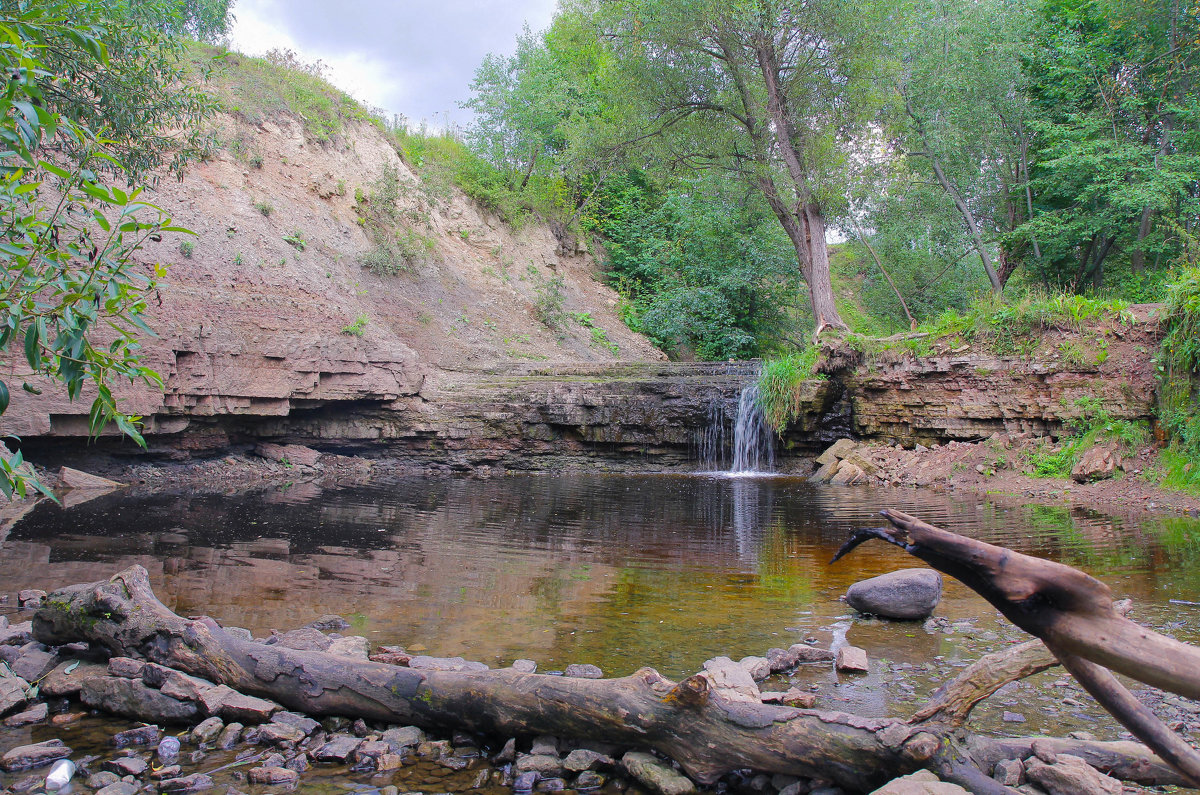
(704, 729)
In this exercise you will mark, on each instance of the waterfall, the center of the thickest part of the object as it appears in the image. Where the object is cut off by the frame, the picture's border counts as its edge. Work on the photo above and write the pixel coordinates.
(753, 439)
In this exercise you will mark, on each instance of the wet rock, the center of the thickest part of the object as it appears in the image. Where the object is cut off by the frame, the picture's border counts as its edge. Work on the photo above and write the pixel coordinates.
(909, 594)
(731, 679)
(229, 736)
(339, 748)
(196, 782)
(17, 634)
(12, 693)
(526, 781)
(360, 728)
(656, 775)
(119, 788)
(552, 784)
(445, 664)
(299, 763)
(102, 779)
(1097, 463)
(307, 639)
(544, 745)
(454, 762)
(206, 730)
(810, 654)
(170, 771)
(920, 783)
(24, 757)
(354, 646)
(588, 780)
(390, 655)
(582, 759)
(1070, 775)
(759, 668)
(61, 682)
(126, 667)
(524, 666)
(545, 764)
(508, 753)
(131, 698)
(403, 737)
(1009, 772)
(329, 623)
(279, 734)
(782, 659)
(791, 698)
(33, 664)
(30, 598)
(143, 735)
(851, 659)
(273, 776)
(836, 451)
(234, 706)
(36, 714)
(126, 766)
(1012, 717)
(182, 686)
(583, 671)
(301, 722)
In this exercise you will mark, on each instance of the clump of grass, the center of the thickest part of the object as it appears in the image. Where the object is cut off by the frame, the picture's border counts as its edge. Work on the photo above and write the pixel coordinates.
(779, 384)
(1092, 425)
(264, 207)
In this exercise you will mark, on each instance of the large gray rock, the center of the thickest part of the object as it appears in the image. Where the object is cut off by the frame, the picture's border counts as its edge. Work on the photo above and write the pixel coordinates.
(656, 775)
(910, 594)
(1070, 775)
(132, 699)
(12, 693)
(24, 757)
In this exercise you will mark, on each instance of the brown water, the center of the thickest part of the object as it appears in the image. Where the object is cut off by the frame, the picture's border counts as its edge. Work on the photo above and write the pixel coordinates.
(619, 571)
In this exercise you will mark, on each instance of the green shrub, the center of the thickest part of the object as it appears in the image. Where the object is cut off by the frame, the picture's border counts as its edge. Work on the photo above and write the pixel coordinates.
(548, 299)
(264, 207)
(358, 327)
(296, 240)
(1092, 426)
(1179, 371)
(187, 248)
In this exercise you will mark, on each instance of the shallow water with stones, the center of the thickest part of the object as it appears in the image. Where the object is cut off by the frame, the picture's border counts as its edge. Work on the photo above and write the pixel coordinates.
(617, 571)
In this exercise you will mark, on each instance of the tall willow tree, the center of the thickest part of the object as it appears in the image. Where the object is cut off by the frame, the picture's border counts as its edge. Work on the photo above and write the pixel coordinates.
(770, 91)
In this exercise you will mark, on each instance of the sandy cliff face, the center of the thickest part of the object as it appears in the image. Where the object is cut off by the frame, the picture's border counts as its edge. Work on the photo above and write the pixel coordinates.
(251, 324)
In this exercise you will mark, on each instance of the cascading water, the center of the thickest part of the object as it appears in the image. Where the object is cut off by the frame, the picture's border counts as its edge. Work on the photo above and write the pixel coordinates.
(753, 441)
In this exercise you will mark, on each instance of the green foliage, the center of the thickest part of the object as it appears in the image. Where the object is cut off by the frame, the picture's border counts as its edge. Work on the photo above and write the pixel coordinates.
(779, 383)
(296, 240)
(254, 89)
(703, 267)
(396, 247)
(358, 327)
(1091, 425)
(66, 237)
(1179, 367)
(264, 207)
(548, 299)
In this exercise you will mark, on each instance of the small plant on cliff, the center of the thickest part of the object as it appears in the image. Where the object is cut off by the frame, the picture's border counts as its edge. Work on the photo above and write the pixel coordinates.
(358, 327)
(548, 299)
(296, 240)
(187, 248)
(779, 384)
(264, 207)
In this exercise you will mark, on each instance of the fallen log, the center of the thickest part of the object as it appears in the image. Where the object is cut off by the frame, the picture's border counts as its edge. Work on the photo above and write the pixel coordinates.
(1076, 618)
(702, 728)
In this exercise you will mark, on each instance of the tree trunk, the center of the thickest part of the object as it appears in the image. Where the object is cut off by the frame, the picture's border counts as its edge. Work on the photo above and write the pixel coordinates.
(708, 731)
(1137, 257)
(972, 226)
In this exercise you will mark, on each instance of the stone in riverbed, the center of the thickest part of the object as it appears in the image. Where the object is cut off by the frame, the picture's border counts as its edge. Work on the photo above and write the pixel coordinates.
(307, 639)
(301, 722)
(403, 737)
(355, 646)
(279, 734)
(339, 748)
(24, 757)
(206, 730)
(524, 666)
(60, 683)
(329, 623)
(583, 671)
(126, 667)
(231, 705)
(543, 764)
(582, 759)
(12, 693)
(196, 782)
(229, 735)
(17, 634)
(851, 659)
(1070, 775)
(920, 783)
(908, 594)
(119, 788)
(132, 699)
(36, 714)
(102, 779)
(731, 679)
(273, 776)
(126, 766)
(33, 664)
(445, 664)
(759, 668)
(143, 735)
(656, 775)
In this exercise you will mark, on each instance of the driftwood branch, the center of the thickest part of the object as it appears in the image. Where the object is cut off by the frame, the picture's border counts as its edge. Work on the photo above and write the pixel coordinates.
(1075, 617)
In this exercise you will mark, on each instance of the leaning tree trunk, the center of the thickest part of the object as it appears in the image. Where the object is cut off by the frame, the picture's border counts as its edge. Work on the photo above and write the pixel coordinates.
(706, 730)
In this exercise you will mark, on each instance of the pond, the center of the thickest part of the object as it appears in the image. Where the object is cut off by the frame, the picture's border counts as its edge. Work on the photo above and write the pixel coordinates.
(617, 571)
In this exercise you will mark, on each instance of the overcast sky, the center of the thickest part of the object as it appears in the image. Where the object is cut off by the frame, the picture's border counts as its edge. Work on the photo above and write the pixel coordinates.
(415, 57)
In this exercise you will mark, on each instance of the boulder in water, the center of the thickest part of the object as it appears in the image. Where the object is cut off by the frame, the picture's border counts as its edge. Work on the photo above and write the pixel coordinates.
(908, 594)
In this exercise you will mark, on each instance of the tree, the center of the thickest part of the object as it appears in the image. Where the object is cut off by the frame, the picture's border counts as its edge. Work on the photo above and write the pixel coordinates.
(772, 91)
(71, 294)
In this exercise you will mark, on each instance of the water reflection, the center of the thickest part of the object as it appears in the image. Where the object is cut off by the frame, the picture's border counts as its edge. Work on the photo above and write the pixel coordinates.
(621, 571)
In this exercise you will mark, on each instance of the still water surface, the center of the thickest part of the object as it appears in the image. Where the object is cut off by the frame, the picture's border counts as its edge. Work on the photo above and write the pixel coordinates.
(619, 571)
